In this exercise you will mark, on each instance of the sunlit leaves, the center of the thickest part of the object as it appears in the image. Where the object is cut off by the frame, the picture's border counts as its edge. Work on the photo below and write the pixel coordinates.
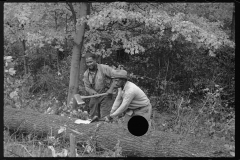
(30, 22)
(174, 36)
(193, 31)
(8, 65)
(13, 94)
(212, 54)
(8, 58)
(107, 27)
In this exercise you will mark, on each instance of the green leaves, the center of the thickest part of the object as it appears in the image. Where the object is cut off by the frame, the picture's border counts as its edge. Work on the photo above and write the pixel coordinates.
(8, 68)
(8, 58)
(194, 29)
(11, 71)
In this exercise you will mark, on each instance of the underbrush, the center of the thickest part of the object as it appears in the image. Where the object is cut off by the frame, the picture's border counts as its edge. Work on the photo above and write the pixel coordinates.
(20, 145)
(196, 120)
(205, 119)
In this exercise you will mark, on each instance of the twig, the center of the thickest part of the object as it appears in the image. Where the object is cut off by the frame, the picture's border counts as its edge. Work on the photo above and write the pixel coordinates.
(23, 147)
(197, 115)
(179, 109)
(17, 128)
(76, 132)
(140, 7)
(13, 153)
(158, 77)
(201, 110)
(167, 70)
(166, 76)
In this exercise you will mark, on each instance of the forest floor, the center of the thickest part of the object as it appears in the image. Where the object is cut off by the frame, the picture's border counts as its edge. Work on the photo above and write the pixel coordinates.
(28, 146)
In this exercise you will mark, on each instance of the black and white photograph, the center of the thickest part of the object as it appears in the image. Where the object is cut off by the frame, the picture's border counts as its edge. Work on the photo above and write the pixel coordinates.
(119, 79)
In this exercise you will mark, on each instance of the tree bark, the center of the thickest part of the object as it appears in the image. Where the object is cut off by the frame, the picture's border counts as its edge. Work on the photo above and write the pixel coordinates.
(76, 56)
(73, 14)
(155, 144)
(66, 38)
(55, 18)
(57, 51)
(83, 68)
(233, 26)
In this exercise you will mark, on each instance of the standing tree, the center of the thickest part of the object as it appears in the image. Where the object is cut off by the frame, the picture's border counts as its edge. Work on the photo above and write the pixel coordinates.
(76, 55)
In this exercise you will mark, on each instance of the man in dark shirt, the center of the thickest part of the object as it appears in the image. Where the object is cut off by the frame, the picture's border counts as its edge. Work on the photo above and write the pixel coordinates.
(97, 79)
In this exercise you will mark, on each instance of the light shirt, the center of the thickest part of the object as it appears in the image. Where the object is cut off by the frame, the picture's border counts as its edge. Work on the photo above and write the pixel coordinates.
(131, 97)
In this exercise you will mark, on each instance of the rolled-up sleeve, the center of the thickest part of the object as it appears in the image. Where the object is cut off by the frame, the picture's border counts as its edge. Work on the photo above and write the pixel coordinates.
(117, 101)
(107, 70)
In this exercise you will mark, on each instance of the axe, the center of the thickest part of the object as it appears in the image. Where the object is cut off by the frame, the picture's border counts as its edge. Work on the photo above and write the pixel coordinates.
(79, 98)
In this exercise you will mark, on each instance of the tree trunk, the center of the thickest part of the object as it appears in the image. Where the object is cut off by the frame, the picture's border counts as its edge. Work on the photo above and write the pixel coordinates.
(73, 14)
(50, 58)
(76, 57)
(55, 18)
(155, 144)
(57, 51)
(24, 57)
(58, 67)
(83, 68)
(233, 26)
(66, 38)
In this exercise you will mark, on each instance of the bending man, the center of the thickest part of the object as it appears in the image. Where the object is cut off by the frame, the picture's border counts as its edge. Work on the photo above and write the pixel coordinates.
(130, 100)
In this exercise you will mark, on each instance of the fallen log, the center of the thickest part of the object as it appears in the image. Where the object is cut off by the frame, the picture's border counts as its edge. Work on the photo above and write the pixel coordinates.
(154, 144)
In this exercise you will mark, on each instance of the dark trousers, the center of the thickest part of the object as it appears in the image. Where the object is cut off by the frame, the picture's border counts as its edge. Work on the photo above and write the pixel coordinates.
(101, 106)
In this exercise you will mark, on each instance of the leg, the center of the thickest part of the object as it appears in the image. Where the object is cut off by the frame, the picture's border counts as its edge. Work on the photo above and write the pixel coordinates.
(146, 113)
(94, 107)
(106, 103)
(126, 119)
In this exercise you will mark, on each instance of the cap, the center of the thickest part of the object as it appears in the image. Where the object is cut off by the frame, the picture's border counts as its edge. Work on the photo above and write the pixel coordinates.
(120, 74)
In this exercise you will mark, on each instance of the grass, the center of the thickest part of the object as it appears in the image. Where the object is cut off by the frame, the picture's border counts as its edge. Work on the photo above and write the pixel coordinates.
(202, 120)
(29, 146)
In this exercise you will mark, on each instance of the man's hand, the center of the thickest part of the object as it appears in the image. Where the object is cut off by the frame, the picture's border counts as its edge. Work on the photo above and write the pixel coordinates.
(108, 118)
(112, 111)
(114, 83)
(93, 93)
(110, 91)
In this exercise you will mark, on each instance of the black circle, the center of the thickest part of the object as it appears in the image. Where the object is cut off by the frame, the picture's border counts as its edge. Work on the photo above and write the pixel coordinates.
(138, 125)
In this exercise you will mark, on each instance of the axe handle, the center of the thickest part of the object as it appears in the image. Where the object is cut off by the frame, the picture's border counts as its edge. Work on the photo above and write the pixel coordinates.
(96, 95)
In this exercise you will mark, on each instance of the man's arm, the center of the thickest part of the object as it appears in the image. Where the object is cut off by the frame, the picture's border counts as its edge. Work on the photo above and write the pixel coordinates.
(117, 101)
(107, 70)
(127, 99)
(88, 88)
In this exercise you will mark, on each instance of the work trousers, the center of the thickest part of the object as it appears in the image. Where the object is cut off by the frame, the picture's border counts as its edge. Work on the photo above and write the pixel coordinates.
(144, 111)
(101, 106)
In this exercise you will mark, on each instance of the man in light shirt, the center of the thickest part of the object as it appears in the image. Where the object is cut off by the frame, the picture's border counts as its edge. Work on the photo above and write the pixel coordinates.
(131, 100)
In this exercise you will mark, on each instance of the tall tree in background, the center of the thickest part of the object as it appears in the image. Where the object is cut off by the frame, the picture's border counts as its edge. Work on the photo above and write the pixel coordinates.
(76, 55)
(233, 25)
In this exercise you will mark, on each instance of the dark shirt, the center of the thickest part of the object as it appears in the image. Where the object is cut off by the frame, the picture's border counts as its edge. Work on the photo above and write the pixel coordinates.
(99, 83)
